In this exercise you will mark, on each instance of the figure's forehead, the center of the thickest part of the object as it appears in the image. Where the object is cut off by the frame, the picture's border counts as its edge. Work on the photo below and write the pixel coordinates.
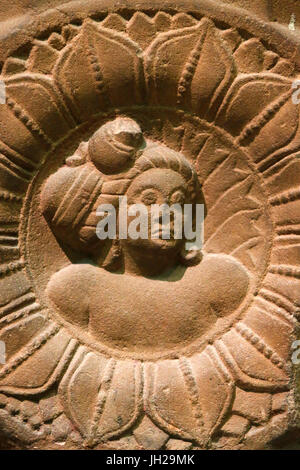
(163, 179)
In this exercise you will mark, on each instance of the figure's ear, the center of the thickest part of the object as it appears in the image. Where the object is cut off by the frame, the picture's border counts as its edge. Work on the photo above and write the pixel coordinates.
(80, 156)
(113, 261)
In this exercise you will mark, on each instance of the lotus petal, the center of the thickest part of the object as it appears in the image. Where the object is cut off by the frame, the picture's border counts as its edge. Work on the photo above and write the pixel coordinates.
(102, 396)
(252, 362)
(37, 96)
(188, 398)
(190, 67)
(18, 334)
(101, 68)
(39, 364)
(248, 97)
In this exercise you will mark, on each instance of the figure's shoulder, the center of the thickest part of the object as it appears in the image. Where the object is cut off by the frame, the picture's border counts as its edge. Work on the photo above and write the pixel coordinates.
(223, 272)
(69, 291)
(73, 276)
(223, 282)
(221, 264)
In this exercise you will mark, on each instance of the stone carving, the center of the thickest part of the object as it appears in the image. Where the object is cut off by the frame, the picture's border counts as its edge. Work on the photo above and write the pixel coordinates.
(132, 343)
(139, 315)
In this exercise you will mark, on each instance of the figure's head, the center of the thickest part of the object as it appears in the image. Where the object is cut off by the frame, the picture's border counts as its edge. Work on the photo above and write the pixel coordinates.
(162, 177)
(117, 161)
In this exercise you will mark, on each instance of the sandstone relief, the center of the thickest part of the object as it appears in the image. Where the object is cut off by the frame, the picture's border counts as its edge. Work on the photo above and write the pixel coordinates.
(140, 343)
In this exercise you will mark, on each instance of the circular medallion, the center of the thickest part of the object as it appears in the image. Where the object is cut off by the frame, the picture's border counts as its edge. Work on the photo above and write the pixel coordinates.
(134, 343)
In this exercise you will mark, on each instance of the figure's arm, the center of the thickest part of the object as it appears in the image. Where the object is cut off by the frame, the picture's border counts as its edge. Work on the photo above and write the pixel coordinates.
(68, 291)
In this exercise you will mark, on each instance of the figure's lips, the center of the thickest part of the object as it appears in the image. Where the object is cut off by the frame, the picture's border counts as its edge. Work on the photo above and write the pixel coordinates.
(163, 232)
(164, 229)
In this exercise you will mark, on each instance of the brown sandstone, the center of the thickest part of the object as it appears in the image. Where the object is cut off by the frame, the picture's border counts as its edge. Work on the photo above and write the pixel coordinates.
(139, 344)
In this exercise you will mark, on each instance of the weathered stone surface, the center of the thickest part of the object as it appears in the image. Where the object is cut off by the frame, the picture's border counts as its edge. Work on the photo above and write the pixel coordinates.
(139, 344)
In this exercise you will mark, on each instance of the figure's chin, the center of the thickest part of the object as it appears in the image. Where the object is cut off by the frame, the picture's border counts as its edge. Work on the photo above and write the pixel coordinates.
(163, 244)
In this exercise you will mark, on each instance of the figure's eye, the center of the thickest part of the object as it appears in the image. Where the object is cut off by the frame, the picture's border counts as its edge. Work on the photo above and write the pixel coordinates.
(177, 198)
(148, 197)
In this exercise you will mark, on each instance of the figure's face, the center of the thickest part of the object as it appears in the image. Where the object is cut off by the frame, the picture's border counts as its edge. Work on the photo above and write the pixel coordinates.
(157, 187)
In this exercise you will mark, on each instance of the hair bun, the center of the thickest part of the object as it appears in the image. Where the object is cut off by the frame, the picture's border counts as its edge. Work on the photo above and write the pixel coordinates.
(114, 146)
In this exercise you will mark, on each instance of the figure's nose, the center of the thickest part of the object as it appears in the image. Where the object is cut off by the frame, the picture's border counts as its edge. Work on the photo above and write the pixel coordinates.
(170, 218)
(164, 199)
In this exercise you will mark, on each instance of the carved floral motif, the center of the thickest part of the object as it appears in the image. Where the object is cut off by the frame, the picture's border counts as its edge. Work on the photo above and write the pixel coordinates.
(223, 101)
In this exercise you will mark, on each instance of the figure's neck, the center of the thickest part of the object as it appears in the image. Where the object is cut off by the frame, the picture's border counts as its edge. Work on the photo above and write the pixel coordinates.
(142, 263)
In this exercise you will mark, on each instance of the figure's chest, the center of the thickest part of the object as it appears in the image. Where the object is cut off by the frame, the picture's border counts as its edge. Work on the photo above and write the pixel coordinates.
(139, 313)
